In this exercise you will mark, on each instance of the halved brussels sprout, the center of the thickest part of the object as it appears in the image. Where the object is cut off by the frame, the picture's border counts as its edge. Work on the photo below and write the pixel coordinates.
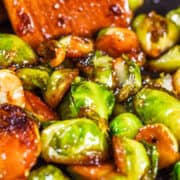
(174, 16)
(19, 142)
(76, 47)
(176, 81)
(128, 78)
(76, 141)
(135, 162)
(157, 106)
(156, 33)
(125, 125)
(15, 52)
(48, 172)
(88, 99)
(58, 83)
(33, 78)
(153, 155)
(168, 62)
(11, 89)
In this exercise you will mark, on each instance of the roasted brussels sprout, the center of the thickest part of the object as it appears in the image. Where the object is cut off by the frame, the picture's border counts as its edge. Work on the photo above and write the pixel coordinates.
(58, 83)
(156, 106)
(88, 99)
(125, 125)
(176, 171)
(76, 46)
(33, 78)
(19, 142)
(131, 157)
(176, 81)
(15, 52)
(166, 143)
(153, 155)
(174, 16)
(52, 52)
(76, 141)
(168, 62)
(128, 78)
(11, 89)
(48, 172)
(156, 33)
(116, 40)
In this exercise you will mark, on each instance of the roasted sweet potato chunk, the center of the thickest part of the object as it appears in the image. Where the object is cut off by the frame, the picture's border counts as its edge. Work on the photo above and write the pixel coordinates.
(19, 143)
(35, 21)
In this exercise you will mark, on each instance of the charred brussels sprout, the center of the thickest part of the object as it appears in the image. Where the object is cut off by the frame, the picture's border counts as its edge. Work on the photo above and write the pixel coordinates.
(76, 46)
(125, 125)
(176, 171)
(15, 52)
(156, 106)
(76, 141)
(168, 62)
(156, 33)
(174, 16)
(88, 99)
(49, 172)
(33, 78)
(128, 78)
(58, 83)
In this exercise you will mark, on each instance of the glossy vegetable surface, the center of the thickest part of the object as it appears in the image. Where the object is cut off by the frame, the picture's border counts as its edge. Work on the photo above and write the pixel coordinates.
(156, 106)
(76, 141)
(46, 173)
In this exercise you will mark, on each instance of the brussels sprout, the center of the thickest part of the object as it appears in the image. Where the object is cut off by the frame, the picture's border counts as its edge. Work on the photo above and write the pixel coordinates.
(116, 40)
(156, 33)
(19, 142)
(153, 155)
(52, 52)
(88, 99)
(166, 143)
(174, 16)
(136, 161)
(33, 78)
(102, 69)
(11, 89)
(128, 78)
(156, 106)
(125, 125)
(58, 83)
(76, 141)
(48, 172)
(15, 52)
(176, 81)
(168, 62)
(176, 171)
(135, 4)
(76, 46)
